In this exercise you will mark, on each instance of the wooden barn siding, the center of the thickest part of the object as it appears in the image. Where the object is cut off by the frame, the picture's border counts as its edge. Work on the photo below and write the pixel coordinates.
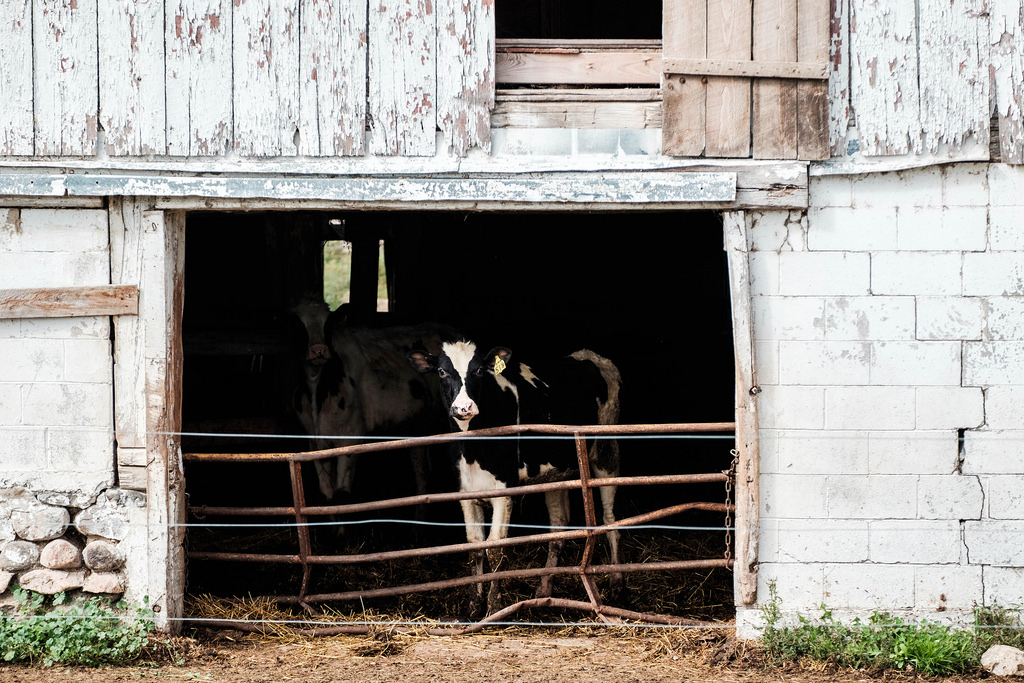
(285, 78)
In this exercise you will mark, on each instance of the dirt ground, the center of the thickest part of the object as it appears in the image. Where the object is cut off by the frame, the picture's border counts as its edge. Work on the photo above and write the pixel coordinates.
(496, 656)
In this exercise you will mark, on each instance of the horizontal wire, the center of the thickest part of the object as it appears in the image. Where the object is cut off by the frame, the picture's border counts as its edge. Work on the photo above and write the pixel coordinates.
(512, 525)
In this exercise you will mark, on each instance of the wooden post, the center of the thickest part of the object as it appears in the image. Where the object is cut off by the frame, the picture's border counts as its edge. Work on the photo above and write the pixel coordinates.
(775, 99)
(747, 490)
(684, 98)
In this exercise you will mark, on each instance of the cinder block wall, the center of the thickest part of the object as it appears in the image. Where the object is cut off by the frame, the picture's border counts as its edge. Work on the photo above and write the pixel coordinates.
(889, 328)
(56, 411)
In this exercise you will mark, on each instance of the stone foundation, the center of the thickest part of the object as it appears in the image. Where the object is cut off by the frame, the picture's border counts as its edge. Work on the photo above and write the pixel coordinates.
(53, 542)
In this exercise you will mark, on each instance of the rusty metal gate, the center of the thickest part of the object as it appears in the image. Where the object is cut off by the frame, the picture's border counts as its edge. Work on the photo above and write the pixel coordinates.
(301, 512)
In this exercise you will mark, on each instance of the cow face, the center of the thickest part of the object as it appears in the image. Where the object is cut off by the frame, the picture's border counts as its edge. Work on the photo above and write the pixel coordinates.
(467, 378)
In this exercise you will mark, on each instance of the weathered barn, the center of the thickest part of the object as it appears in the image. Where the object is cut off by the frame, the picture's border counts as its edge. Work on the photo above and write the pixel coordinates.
(167, 168)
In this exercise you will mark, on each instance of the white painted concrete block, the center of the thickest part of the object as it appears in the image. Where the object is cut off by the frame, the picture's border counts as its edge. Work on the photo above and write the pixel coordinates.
(63, 230)
(914, 452)
(1004, 586)
(785, 496)
(950, 496)
(768, 450)
(824, 273)
(842, 229)
(993, 274)
(821, 452)
(872, 497)
(915, 363)
(766, 360)
(950, 318)
(10, 329)
(53, 269)
(10, 403)
(918, 187)
(950, 407)
(822, 541)
(824, 362)
(869, 587)
(948, 587)
(1005, 496)
(1006, 184)
(870, 408)
(81, 405)
(916, 273)
(778, 231)
(915, 542)
(81, 450)
(782, 407)
(965, 185)
(1005, 229)
(993, 363)
(96, 327)
(799, 586)
(88, 360)
(963, 228)
(1005, 318)
(37, 360)
(21, 449)
(830, 191)
(764, 273)
(996, 542)
(995, 452)
(789, 318)
(1004, 407)
(869, 318)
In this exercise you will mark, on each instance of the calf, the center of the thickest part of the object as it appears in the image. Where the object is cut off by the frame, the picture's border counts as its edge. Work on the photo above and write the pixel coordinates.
(358, 383)
(493, 390)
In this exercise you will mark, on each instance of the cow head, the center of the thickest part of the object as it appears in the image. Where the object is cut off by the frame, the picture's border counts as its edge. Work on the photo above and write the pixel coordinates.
(468, 378)
(313, 315)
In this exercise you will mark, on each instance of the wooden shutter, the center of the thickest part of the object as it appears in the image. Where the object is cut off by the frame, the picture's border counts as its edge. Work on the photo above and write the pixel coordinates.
(746, 78)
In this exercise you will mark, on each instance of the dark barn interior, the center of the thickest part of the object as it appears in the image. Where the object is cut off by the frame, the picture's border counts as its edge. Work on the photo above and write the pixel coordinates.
(648, 290)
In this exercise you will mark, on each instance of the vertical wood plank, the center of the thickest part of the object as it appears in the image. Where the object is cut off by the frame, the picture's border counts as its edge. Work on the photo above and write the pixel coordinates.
(748, 467)
(839, 80)
(66, 88)
(775, 99)
(465, 72)
(1006, 30)
(812, 103)
(954, 71)
(883, 42)
(16, 130)
(402, 78)
(728, 107)
(125, 219)
(332, 67)
(684, 99)
(266, 70)
(198, 53)
(131, 76)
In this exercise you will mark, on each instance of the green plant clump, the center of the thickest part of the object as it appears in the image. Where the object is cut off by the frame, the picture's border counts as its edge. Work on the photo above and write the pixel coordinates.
(89, 633)
(886, 641)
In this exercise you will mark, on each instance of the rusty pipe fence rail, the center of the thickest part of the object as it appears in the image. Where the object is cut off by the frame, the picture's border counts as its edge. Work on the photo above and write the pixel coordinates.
(305, 557)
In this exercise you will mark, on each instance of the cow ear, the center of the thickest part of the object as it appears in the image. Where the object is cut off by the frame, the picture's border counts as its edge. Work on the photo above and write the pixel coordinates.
(422, 362)
(498, 358)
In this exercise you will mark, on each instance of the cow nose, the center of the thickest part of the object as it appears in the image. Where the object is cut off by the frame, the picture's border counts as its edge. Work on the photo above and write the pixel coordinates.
(464, 411)
(318, 353)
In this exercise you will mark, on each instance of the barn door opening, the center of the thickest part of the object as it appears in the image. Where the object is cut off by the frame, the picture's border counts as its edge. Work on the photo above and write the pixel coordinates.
(649, 290)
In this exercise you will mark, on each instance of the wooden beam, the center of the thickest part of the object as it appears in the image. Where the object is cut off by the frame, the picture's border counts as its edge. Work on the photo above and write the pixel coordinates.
(538, 68)
(69, 302)
(745, 68)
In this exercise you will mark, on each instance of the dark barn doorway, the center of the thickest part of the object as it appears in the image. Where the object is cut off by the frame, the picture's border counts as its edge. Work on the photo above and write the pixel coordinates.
(649, 290)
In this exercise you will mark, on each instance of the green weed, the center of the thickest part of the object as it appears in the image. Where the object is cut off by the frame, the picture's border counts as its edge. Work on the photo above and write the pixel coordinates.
(90, 632)
(887, 641)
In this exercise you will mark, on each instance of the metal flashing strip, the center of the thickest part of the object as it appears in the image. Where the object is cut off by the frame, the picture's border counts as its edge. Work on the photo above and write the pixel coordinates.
(615, 187)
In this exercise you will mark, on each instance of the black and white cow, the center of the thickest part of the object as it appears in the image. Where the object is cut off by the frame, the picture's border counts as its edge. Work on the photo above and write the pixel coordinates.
(493, 389)
(358, 383)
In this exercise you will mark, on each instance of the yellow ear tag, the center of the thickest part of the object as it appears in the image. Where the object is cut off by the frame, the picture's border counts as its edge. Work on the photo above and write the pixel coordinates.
(499, 365)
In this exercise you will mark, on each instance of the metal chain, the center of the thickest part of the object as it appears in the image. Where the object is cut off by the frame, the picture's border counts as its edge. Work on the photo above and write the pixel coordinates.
(731, 472)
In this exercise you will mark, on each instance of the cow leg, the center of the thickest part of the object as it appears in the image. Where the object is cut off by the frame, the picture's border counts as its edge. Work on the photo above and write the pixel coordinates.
(617, 583)
(473, 514)
(420, 457)
(558, 517)
(325, 476)
(343, 474)
(501, 513)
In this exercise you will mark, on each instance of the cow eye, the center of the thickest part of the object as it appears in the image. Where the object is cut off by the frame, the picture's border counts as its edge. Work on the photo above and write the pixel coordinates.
(478, 372)
(442, 373)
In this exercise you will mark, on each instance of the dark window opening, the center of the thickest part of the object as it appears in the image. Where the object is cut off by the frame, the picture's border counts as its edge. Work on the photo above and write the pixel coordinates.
(578, 19)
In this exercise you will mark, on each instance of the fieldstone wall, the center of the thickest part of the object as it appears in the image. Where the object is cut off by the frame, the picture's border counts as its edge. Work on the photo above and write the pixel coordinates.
(52, 542)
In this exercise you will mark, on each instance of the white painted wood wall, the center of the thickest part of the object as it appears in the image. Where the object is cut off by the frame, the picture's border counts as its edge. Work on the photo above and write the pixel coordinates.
(278, 79)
